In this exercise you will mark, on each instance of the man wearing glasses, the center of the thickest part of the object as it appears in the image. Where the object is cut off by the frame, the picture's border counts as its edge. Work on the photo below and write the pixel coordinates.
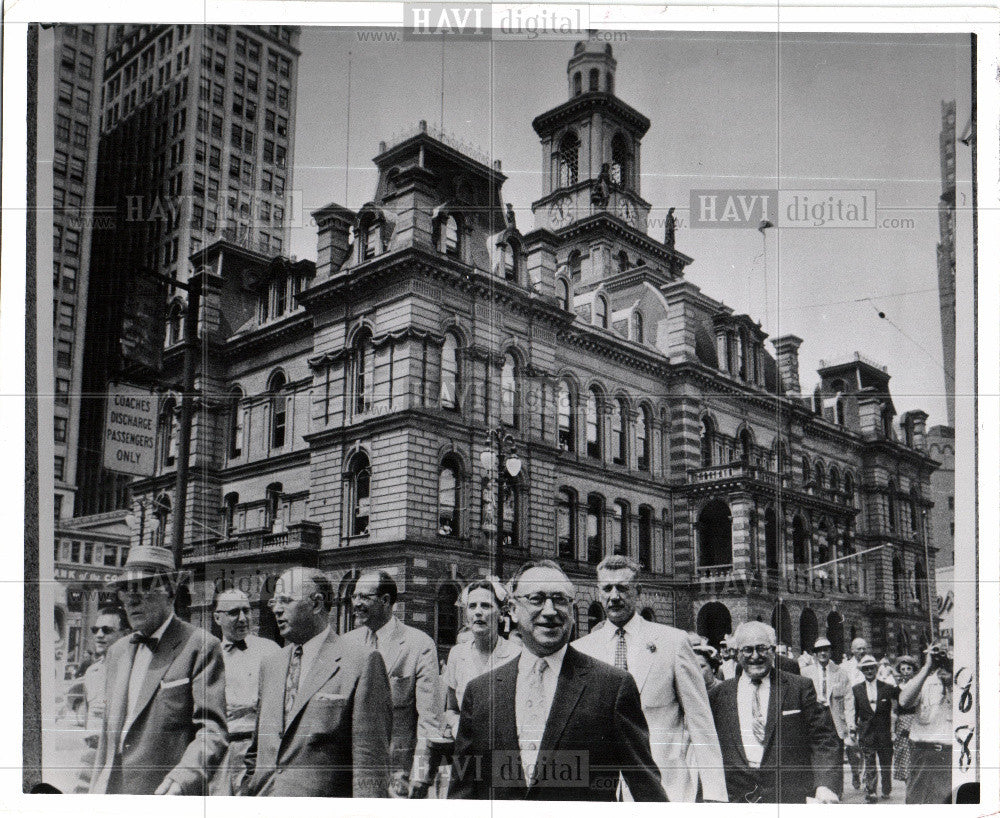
(244, 654)
(553, 724)
(164, 729)
(323, 719)
(778, 744)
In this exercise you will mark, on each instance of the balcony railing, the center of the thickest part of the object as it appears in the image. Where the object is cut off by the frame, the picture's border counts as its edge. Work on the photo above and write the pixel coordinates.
(296, 539)
(732, 471)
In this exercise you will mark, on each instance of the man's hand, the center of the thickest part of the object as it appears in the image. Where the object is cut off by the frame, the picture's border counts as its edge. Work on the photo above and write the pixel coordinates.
(168, 787)
(825, 796)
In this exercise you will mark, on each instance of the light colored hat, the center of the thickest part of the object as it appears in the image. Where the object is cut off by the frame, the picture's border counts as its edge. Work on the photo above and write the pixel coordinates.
(822, 642)
(868, 661)
(145, 561)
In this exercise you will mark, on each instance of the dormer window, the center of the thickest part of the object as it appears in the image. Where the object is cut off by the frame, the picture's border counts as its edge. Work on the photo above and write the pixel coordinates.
(601, 312)
(619, 161)
(451, 244)
(509, 262)
(638, 334)
(373, 240)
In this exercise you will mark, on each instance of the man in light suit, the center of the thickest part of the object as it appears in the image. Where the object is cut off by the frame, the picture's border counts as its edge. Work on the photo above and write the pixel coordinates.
(553, 724)
(833, 691)
(673, 693)
(414, 679)
(778, 744)
(324, 713)
(164, 728)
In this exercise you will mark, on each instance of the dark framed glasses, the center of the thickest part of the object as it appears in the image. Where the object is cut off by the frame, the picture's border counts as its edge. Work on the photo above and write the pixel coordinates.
(538, 600)
(763, 650)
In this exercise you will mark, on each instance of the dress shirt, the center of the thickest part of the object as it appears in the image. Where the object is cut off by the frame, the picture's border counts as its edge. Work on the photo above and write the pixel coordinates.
(932, 721)
(525, 667)
(745, 691)
(381, 636)
(821, 680)
(140, 665)
(631, 640)
(871, 689)
(465, 664)
(310, 650)
(242, 677)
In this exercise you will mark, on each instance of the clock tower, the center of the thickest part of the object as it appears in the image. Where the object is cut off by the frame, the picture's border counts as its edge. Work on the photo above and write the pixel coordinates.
(591, 147)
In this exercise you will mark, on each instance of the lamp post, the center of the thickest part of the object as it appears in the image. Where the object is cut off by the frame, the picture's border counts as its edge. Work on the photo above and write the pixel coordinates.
(501, 463)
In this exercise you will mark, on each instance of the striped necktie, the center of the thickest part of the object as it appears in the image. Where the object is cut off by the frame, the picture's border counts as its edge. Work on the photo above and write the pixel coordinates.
(757, 712)
(621, 651)
(292, 681)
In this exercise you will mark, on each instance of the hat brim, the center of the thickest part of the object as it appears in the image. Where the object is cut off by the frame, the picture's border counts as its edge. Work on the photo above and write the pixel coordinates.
(138, 573)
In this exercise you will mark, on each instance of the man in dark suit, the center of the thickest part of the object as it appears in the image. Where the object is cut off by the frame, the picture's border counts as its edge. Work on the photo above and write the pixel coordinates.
(164, 728)
(552, 724)
(324, 712)
(778, 745)
(874, 713)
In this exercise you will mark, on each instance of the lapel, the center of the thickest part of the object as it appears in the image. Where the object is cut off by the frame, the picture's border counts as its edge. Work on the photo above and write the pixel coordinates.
(866, 705)
(396, 639)
(503, 708)
(118, 672)
(731, 705)
(572, 679)
(164, 656)
(643, 658)
(326, 665)
(774, 707)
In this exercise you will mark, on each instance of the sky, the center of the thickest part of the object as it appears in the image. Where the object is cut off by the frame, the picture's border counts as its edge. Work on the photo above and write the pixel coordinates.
(728, 110)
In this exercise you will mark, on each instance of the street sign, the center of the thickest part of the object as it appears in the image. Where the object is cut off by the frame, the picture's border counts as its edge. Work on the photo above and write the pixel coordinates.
(130, 430)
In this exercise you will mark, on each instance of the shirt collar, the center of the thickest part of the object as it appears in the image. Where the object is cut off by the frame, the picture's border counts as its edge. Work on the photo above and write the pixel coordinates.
(158, 634)
(554, 660)
(387, 629)
(629, 627)
(316, 641)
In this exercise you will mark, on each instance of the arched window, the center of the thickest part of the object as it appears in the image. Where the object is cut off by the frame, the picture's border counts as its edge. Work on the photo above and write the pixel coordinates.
(577, 84)
(510, 516)
(567, 418)
(746, 446)
(563, 294)
(806, 471)
(509, 392)
(771, 539)
(619, 527)
(234, 425)
(834, 479)
(272, 503)
(594, 423)
(449, 372)
(595, 615)
(169, 423)
(344, 614)
(638, 331)
(623, 262)
(161, 513)
(619, 434)
(359, 495)
(914, 522)
(229, 504)
(841, 414)
(601, 312)
(175, 324)
(707, 441)
(891, 503)
(510, 261)
(448, 496)
(363, 372)
(595, 80)
(595, 529)
(819, 472)
(566, 525)
(644, 439)
(575, 263)
(451, 237)
(568, 159)
(849, 487)
(279, 412)
(646, 537)
(620, 169)
(372, 234)
(800, 542)
(715, 535)
(898, 583)
(446, 610)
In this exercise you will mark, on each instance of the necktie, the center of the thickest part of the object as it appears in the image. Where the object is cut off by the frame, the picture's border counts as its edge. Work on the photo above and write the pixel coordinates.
(241, 644)
(141, 639)
(292, 681)
(823, 693)
(757, 712)
(533, 718)
(621, 651)
(372, 639)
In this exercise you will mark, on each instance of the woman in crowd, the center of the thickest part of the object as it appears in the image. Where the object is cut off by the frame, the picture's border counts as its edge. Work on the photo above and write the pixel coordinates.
(482, 601)
(709, 662)
(906, 667)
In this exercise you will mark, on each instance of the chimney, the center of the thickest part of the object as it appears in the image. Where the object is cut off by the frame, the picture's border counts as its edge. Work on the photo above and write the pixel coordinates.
(914, 425)
(333, 238)
(787, 350)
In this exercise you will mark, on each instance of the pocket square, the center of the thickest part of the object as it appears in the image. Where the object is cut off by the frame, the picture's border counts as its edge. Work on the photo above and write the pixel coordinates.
(790, 712)
(174, 683)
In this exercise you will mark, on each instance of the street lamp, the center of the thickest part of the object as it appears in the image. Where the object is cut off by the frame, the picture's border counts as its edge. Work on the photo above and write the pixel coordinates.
(502, 451)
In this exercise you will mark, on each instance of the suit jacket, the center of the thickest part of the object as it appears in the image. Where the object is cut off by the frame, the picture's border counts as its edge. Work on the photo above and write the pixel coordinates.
(179, 727)
(417, 698)
(801, 750)
(874, 726)
(336, 741)
(838, 690)
(675, 703)
(595, 733)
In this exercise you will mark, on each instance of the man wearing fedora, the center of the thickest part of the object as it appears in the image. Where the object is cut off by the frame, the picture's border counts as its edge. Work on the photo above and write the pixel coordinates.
(164, 728)
(874, 719)
(833, 692)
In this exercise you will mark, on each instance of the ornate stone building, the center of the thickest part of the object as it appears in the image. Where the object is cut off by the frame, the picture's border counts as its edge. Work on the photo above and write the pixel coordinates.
(348, 408)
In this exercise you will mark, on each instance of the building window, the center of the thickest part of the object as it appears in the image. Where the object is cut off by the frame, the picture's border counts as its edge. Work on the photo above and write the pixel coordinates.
(279, 409)
(620, 161)
(565, 525)
(595, 525)
(619, 528)
(509, 517)
(806, 470)
(373, 240)
(646, 537)
(594, 80)
(161, 513)
(707, 442)
(62, 392)
(562, 288)
(168, 423)
(593, 424)
(568, 158)
(577, 84)
(619, 436)
(450, 237)
(638, 332)
(643, 439)
(64, 354)
(229, 503)
(575, 265)
(449, 372)
(601, 312)
(891, 506)
(58, 467)
(715, 535)
(849, 487)
(359, 493)
(510, 397)
(272, 504)
(448, 507)
(819, 471)
(363, 370)
(800, 542)
(566, 418)
(235, 424)
(509, 261)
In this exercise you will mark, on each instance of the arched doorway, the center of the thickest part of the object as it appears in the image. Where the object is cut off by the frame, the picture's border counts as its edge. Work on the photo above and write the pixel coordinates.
(781, 621)
(595, 615)
(715, 535)
(808, 630)
(648, 614)
(714, 622)
(800, 546)
(835, 633)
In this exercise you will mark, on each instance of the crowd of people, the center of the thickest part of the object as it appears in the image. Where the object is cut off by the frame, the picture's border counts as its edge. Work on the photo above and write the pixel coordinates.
(634, 710)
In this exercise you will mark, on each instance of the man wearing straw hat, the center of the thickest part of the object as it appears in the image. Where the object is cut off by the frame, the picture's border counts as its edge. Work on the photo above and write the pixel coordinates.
(164, 729)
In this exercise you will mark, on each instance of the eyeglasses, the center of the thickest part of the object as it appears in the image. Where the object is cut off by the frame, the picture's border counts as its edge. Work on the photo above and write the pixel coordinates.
(763, 650)
(358, 597)
(107, 630)
(235, 612)
(537, 600)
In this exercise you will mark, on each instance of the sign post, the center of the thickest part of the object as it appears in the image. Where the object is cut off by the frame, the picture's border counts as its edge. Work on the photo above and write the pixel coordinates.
(130, 430)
